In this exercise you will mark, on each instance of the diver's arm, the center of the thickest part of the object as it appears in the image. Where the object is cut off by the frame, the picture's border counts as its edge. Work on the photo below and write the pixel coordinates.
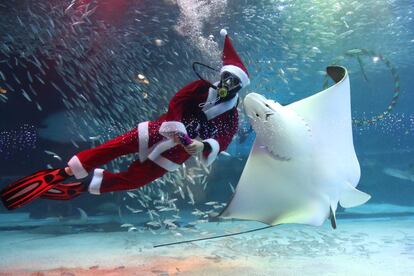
(185, 100)
(187, 97)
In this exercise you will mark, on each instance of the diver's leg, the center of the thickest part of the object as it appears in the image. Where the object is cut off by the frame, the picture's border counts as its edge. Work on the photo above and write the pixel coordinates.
(138, 175)
(86, 160)
(50, 182)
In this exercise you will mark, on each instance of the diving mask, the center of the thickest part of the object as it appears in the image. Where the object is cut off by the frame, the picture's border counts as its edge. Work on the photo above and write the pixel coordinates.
(229, 83)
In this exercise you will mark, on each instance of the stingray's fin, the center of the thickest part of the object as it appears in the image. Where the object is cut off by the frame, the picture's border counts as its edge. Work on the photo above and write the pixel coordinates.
(332, 217)
(352, 197)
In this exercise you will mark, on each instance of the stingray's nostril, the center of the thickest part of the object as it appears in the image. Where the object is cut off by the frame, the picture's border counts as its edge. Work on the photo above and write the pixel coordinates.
(268, 114)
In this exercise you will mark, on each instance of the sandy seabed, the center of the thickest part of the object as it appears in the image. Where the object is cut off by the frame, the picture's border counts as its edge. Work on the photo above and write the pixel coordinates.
(382, 246)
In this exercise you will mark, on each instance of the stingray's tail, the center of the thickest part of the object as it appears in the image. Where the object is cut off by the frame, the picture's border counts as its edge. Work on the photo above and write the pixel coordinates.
(215, 237)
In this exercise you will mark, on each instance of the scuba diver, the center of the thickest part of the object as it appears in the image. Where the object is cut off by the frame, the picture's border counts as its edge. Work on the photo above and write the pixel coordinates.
(201, 118)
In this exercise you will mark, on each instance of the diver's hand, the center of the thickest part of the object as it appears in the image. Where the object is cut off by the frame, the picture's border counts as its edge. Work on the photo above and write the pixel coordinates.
(176, 138)
(194, 148)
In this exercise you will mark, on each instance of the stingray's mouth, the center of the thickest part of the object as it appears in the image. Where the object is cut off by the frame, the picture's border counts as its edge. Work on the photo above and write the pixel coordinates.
(278, 156)
(275, 155)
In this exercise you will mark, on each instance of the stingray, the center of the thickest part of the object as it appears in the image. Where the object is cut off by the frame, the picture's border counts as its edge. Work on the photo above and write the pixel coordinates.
(303, 160)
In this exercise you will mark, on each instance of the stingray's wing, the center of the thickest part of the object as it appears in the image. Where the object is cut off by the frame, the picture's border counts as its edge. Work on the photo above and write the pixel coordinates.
(274, 191)
(328, 114)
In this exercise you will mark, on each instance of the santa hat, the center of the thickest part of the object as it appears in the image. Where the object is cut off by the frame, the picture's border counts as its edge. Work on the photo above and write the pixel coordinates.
(232, 62)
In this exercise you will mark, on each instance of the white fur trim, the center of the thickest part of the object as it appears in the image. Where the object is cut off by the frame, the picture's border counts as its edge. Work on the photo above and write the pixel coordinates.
(155, 155)
(244, 78)
(143, 138)
(220, 108)
(167, 129)
(215, 148)
(160, 148)
(166, 164)
(76, 166)
(223, 32)
(95, 185)
(212, 95)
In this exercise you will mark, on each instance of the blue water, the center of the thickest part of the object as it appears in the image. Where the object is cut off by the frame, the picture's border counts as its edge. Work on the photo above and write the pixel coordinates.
(51, 61)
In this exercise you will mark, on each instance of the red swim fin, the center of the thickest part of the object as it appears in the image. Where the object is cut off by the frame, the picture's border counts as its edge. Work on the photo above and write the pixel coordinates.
(64, 191)
(31, 187)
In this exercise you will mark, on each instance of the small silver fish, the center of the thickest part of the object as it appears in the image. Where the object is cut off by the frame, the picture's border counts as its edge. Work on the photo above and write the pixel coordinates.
(131, 195)
(57, 157)
(153, 223)
(170, 222)
(191, 196)
(231, 187)
(132, 229)
(94, 138)
(166, 209)
(50, 152)
(133, 210)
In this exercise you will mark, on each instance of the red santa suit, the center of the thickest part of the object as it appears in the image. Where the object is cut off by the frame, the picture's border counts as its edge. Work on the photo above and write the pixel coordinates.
(193, 111)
